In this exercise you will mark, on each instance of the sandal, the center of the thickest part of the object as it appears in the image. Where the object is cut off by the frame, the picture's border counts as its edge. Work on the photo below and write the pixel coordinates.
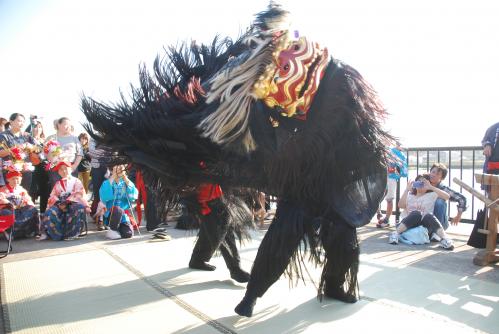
(162, 235)
(383, 223)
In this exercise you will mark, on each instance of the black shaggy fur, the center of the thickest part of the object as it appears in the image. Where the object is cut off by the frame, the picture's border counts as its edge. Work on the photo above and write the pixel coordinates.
(328, 171)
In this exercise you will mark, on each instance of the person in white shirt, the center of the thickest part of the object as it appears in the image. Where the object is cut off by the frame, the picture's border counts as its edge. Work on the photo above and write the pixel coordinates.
(418, 201)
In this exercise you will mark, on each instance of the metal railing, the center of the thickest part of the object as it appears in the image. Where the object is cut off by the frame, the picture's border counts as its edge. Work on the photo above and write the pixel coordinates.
(462, 161)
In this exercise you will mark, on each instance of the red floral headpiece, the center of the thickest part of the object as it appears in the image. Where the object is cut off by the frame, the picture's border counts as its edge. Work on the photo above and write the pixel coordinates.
(13, 173)
(59, 164)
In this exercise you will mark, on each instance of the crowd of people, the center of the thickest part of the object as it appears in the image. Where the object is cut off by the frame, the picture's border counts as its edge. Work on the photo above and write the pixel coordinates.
(58, 171)
(424, 201)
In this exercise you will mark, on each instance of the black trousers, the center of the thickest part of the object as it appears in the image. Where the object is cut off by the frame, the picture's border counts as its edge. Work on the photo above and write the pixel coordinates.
(280, 245)
(26, 181)
(40, 186)
(215, 232)
(98, 178)
(151, 210)
(115, 217)
(415, 218)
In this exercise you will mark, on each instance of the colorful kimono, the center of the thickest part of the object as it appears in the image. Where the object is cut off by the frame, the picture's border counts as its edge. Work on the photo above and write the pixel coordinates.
(66, 222)
(118, 198)
(27, 219)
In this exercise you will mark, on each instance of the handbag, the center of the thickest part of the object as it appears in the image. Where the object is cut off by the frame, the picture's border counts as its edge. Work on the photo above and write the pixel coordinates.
(477, 239)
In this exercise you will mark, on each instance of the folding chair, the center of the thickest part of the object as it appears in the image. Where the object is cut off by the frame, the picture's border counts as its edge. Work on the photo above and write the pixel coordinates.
(7, 227)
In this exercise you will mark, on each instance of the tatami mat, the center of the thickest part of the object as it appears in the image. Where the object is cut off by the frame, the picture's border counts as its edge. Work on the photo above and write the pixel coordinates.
(146, 287)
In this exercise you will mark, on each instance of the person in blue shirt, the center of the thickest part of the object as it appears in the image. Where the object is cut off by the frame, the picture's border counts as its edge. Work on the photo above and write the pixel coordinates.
(118, 193)
(397, 168)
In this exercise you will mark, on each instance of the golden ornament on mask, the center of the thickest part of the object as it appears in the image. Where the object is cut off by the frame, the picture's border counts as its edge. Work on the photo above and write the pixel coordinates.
(273, 122)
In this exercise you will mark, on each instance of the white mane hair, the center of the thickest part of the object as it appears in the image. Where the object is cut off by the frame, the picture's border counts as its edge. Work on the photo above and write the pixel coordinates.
(233, 86)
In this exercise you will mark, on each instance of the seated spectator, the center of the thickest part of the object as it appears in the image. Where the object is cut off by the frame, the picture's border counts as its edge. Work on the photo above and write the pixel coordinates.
(118, 193)
(14, 199)
(67, 206)
(438, 172)
(418, 201)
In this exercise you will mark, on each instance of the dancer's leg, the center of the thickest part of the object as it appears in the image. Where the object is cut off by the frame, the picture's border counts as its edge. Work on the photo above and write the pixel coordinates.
(274, 254)
(339, 275)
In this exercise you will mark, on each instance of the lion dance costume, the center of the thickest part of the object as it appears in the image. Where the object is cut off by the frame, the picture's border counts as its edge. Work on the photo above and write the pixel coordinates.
(270, 111)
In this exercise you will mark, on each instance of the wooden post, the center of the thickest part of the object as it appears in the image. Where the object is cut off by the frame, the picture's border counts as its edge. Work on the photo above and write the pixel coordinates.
(489, 254)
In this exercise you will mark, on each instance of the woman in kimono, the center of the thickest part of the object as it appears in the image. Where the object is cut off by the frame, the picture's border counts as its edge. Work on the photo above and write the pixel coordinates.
(118, 193)
(13, 197)
(67, 206)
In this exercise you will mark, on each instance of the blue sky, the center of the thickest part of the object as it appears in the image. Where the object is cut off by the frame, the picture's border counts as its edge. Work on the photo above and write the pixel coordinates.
(434, 63)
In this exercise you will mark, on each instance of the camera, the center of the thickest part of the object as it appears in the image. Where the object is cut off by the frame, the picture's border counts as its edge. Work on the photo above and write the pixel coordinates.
(418, 184)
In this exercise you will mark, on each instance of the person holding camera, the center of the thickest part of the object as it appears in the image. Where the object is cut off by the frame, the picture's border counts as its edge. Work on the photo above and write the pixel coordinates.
(418, 201)
(68, 206)
(118, 193)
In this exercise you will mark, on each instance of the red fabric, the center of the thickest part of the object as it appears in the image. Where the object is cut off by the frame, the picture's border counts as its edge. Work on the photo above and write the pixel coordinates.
(61, 163)
(208, 192)
(12, 174)
(11, 190)
(132, 220)
(127, 212)
(6, 222)
(62, 182)
(141, 187)
(492, 165)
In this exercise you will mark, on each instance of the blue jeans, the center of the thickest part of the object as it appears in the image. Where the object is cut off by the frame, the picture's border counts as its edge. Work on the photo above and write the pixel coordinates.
(440, 211)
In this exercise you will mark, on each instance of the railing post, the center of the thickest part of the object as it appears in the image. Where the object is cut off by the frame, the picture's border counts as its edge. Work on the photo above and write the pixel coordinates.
(397, 198)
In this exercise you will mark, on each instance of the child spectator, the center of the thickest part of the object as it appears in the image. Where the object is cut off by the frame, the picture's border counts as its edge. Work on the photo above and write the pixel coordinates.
(14, 199)
(397, 168)
(118, 193)
(84, 166)
(67, 206)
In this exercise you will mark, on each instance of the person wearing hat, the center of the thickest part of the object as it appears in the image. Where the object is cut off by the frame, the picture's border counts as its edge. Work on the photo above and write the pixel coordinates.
(14, 197)
(67, 206)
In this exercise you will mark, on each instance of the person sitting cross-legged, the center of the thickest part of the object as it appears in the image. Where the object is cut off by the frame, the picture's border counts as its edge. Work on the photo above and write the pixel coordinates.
(418, 201)
(67, 206)
(14, 197)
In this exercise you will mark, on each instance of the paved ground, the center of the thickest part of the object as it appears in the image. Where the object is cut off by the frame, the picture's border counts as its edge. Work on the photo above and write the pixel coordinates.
(93, 285)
